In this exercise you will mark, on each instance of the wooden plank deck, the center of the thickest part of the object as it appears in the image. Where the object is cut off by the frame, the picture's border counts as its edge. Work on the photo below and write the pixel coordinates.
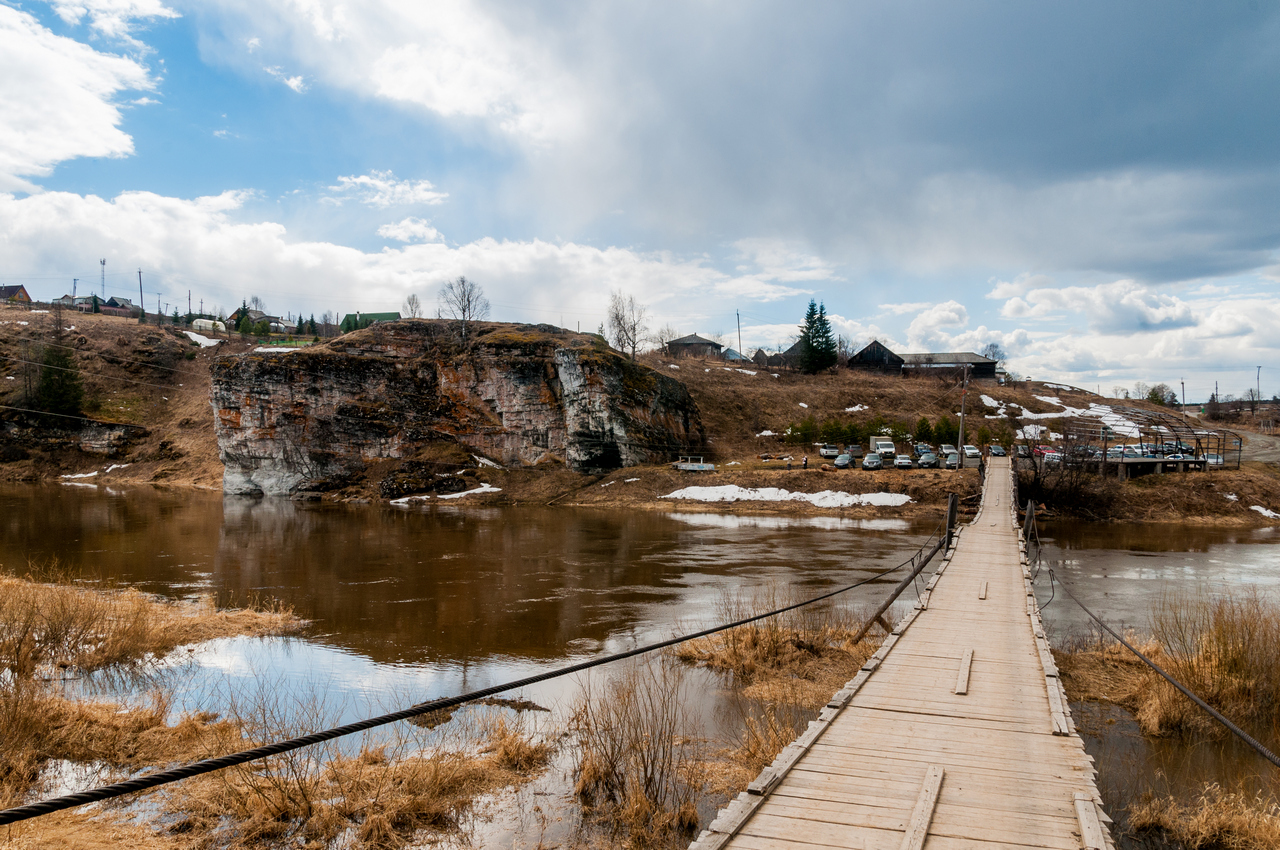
(966, 693)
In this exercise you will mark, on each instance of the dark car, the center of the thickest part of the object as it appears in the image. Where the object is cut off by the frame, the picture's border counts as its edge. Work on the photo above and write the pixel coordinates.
(952, 461)
(844, 461)
(996, 451)
(1024, 451)
(928, 460)
(872, 461)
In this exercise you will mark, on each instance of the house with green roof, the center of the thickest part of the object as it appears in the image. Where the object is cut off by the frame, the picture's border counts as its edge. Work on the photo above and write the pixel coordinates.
(356, 321)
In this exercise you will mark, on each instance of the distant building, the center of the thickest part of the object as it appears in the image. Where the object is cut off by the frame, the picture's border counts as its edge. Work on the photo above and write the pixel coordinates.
(693, 346)
(356, 321)
(15, 294)
(979, 367)
(760, 358)
(877, 356)
(730, 354)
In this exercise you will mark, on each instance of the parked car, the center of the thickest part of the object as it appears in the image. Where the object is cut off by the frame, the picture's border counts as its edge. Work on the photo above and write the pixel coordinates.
(996, 451)
(952, 461)
(872, 461)
(829, 451)
(1041, 451)
(923, 449)
(948, 449)
(903, 462)
(844, 461)
(928, 460)
(1023, 451)
(1213, 459)
(972, 452)
(1052, 456)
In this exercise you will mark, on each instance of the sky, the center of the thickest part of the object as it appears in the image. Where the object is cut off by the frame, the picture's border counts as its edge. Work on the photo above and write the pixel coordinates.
(1090, 185)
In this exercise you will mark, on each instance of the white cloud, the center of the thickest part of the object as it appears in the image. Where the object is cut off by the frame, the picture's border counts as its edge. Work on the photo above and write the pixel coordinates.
(252, 44)
(901, 309)
(410, 230)
(382, 189)
(927, 330)
(453, 58)
(1121, 307)
(58, 100)
(112, 18)
(296, 83)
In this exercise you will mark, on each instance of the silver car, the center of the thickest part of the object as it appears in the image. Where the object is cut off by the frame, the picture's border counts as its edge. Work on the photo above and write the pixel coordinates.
(872, 461)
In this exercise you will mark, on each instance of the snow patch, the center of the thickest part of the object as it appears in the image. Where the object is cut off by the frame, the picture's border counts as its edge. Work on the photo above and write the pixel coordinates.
(1231, 497)
(203, 340)
(805, 406)
(761, 434)
(483, 488)
(733, 463)
(825, 499)
(746, 372)
(777, 376)
(629, 480)
(269, 349)
(115, 466)
(1269, 514)
(1059, 387)
(856, 408)
(608, 483)
(484, 461)
(80, 475)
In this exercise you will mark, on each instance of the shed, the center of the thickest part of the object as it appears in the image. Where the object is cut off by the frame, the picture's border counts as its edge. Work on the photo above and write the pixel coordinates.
(979, 367)
(876, 355)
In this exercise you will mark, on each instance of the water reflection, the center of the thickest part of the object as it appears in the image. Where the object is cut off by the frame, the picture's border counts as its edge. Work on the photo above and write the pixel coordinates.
(446, 585)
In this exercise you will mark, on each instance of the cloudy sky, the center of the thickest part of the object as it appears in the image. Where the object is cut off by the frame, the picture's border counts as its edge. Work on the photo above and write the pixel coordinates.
(1092, 185)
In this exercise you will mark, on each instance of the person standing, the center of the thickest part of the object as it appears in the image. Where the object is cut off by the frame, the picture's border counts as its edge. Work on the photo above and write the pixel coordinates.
(804, 463)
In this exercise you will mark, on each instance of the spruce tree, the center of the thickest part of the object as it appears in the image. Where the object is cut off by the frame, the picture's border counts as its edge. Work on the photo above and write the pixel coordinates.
(60, 390)
(817, 342)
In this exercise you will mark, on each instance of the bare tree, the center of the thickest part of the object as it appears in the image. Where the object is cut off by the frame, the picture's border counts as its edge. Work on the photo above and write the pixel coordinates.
(463, 301)
(664, 335)
(628, 322)
(993, 351)
(255, 303)
(412, 306)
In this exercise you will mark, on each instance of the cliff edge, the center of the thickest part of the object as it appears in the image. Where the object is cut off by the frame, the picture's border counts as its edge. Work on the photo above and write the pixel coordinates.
(330, 415)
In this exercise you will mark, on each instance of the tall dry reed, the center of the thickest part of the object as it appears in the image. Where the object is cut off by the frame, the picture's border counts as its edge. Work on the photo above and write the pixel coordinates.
(1217, 818)
(638, 754)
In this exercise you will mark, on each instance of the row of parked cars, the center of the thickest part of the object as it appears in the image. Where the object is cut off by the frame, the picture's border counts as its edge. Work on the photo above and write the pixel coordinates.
(923, 456)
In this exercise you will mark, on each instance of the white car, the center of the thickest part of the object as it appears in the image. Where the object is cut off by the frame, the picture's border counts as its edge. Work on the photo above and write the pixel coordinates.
(972, 452)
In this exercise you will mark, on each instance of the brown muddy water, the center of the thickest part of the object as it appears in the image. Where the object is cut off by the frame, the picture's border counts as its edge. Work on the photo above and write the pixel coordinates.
(411, 604)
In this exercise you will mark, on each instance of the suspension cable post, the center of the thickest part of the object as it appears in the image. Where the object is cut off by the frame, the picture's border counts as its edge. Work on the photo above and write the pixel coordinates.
(953, 507)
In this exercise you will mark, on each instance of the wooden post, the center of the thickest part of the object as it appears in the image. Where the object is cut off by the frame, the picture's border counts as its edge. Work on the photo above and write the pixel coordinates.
(953, 505)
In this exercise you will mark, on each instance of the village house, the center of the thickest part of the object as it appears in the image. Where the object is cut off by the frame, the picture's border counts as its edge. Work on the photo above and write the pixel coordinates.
(15, 294)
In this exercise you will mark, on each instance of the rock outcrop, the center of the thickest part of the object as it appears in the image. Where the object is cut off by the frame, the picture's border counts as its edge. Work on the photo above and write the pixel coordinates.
(319, 417)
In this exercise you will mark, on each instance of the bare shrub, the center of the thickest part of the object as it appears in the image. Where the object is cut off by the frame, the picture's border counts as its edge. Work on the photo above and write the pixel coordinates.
(638, 763)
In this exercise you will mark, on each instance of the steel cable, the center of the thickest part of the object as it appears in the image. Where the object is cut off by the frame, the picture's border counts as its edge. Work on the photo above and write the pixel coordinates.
(164, 777)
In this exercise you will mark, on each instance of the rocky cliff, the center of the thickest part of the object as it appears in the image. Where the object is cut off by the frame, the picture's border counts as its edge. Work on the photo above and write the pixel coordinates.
(324, 416)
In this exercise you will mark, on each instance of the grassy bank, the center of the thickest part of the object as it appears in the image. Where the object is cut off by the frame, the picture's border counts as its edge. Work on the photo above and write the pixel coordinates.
(1227, 651)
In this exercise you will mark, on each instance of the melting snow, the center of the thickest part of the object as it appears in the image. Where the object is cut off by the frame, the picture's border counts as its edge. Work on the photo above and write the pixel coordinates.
(856, 408)
(484, 461)
(608, 483)
(825, 499)
(1231, 497)
(80, 475)
(629, 480)
(775, 376)
(268, 349)
(115, 466)
(203, 340)
(483, 488)
(674, 366)
(805, 406)
(733, 463)
(746, 372)
(1266, 513)
(761, 434)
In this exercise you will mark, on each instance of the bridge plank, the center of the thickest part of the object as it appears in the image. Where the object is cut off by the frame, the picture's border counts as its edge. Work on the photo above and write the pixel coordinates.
(1010, 782)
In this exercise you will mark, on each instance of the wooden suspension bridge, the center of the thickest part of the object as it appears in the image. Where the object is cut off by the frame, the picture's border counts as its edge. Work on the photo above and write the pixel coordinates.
(955, 734)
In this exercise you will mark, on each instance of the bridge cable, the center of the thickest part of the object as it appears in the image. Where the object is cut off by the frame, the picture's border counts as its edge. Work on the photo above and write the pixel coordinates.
(1210, 710)
(165, 777)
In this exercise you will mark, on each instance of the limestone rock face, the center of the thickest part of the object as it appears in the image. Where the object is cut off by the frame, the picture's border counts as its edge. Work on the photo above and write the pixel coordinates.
(518, 394)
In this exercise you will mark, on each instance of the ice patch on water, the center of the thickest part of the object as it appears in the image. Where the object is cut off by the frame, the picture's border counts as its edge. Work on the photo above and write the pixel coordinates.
(825, 499)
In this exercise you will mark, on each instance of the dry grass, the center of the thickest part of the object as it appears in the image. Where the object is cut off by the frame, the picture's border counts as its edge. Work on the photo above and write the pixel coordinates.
(1225, 649)
(52, 619)
(1218, 819)
(638, 757)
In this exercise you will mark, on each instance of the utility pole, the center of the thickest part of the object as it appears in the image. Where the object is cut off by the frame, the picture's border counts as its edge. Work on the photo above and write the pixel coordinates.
(188, 302)
(964, 391)
(104, 279)
(1259, 397)
(1184, 398)
(739, 317)
(74, 281)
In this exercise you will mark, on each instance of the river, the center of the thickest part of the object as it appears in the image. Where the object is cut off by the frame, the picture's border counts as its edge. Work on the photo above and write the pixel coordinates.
(407, 604)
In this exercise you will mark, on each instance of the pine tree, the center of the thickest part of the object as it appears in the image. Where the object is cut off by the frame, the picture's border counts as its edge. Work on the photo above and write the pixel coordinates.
(817, 342)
